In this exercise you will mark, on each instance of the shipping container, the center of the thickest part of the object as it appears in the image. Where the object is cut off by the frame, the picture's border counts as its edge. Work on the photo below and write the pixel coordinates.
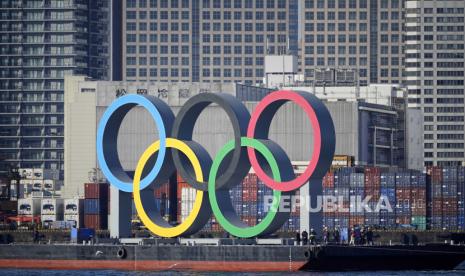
(328, 180)
(52, 206)
(97, 222)
(435, 174)
(357, 180)
(49, 185)
(38, 174)
(48, 219)
(419, 222)
(29, 206)
(388, 180)
(37, 185)
(356, 220)
(96, 190)
(403, 219)
(26, 173)
(73, 206)
(77, 220)
(95, 207)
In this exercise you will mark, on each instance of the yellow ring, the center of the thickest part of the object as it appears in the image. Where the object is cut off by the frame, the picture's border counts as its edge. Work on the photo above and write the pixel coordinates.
(178, 230)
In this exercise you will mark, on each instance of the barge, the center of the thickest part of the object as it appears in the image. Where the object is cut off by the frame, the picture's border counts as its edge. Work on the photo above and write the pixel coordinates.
(232, 258)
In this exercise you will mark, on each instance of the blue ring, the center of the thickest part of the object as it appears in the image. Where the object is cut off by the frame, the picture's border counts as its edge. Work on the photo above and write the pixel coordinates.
(107, 136)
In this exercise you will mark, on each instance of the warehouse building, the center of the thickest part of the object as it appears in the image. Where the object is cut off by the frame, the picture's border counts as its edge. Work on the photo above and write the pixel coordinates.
(372, 133)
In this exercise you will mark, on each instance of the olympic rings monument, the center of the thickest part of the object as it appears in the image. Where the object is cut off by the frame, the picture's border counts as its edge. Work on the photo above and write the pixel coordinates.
(175, 150)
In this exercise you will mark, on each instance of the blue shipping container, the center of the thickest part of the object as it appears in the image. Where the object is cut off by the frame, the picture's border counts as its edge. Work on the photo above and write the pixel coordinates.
(95, 207)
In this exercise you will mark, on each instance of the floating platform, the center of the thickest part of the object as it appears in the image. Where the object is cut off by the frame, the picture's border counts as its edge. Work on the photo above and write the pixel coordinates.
(232, 258)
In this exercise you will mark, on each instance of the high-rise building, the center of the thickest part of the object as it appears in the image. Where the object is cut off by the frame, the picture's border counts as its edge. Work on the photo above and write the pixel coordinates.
(205, 40)
(41, 41)
(347, 41)
(434, 75)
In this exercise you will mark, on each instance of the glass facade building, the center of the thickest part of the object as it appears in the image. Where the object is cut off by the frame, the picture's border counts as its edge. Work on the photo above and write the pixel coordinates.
(434, 75)
(362, 36)
(41, 41)
(205, 40)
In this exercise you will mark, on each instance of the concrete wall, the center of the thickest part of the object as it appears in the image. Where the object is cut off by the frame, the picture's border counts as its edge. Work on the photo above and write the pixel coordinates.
(80, 134)
(415, 149)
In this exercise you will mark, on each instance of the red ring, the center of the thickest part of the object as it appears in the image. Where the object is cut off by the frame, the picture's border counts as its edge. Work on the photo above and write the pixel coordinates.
(296, 183)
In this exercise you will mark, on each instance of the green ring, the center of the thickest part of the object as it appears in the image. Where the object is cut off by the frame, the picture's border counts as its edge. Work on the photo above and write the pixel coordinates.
(236, 230)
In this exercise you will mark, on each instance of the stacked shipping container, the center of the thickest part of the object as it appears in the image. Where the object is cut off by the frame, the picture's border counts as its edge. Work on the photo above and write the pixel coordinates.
(74, 212)
(418, 199)
(35, 183)
(96, 205)
(372, 190)
(388, 194)
(434, 199)
(445, 207)
(51, 211)
(405, 191)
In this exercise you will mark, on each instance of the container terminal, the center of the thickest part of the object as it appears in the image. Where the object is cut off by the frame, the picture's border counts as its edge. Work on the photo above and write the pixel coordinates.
(72, 233)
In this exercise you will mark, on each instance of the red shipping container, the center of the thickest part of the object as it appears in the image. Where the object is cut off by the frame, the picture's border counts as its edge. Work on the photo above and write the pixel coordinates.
(449, 206)
(435, 174)
(216, 227)
(97, 222)
(249, 220)
(328, 180)
(179, 178)
(418, 193)
(403, 194)
(403, 219)
(162, 189)
(96, 190)
(373, 170)
(356, 220)
(436, 208)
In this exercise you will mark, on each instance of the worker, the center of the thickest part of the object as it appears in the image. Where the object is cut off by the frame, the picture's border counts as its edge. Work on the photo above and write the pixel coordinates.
(369, 236)
(297, 237)
(312, 236)
(363, 234)
(325, 235)
(36, 236)
(304, 237)
(352, 236)
(337, 235)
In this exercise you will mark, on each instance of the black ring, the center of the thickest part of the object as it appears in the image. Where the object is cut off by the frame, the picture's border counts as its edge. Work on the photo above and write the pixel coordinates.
(238, 165)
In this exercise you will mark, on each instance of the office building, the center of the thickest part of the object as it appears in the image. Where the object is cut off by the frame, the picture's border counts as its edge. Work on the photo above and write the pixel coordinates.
(205, 40)
(434, 59)
(41, 42)
(351, 41)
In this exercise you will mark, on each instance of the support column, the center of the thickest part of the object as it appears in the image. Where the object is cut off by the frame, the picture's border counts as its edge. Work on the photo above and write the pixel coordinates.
(120, 213)
(310, 215)
(173, 197)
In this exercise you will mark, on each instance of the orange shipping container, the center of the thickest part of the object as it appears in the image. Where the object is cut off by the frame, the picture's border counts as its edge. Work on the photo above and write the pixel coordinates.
(96, 190)
(97, 222)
